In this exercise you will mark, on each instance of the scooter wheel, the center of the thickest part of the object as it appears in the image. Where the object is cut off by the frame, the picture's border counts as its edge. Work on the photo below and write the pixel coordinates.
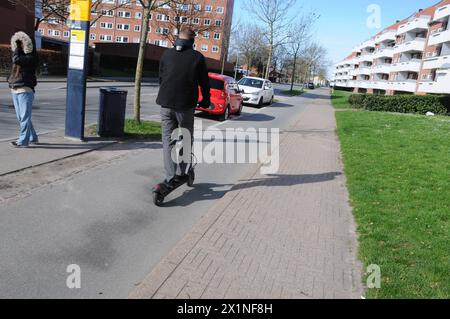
(191, 179)
(158, 199)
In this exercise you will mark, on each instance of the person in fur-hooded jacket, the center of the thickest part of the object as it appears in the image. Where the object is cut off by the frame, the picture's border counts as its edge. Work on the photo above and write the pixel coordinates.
(22, 82)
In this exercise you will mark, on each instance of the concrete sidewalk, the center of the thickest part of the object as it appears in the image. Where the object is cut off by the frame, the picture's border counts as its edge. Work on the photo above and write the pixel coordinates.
(52, 147)
(290, 235)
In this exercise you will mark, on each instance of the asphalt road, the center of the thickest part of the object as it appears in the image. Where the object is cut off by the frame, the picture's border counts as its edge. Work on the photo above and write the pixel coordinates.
(104, 221)
(50, 104)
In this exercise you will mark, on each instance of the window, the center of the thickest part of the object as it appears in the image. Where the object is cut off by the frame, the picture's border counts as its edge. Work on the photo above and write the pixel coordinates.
(208, 8)
(195, 21)
(124, 14)
(66, 34)
(164, 31)
(122, 39)
(124, 27)
(204, 47)
(162, 17)
(216, 36)
(41, 31)
(137, 28)
(124, 1)
(106, 25)
(161, 43)
(219, 10)
(138, 15)
(94, 25)
(215, 49)
(92, 36)
(54, 33)
(108, 13)
(218, 23)
(207, 22)
(205, 35)
(136, 40)
(197, 7)
(105, 37)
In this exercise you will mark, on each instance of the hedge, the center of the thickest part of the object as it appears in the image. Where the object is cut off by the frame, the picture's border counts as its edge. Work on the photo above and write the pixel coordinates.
(56, 62)
(419, 104)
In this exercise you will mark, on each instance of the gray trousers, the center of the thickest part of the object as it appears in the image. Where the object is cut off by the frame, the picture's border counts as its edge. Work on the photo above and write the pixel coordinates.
(170, 121)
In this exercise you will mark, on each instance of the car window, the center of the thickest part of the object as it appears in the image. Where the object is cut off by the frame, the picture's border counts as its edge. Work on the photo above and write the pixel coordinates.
(251, 82)
(216, 84)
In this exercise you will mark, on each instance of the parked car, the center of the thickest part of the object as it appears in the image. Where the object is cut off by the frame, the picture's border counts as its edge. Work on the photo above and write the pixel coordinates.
(226, 97)
(256, 91)
(311, 86)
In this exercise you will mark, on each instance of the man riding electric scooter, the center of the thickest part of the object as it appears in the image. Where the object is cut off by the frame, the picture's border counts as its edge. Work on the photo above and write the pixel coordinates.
(182, 70)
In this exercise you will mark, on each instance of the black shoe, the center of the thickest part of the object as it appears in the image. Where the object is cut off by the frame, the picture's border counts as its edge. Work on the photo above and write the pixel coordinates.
(34, 142)
(18, 145)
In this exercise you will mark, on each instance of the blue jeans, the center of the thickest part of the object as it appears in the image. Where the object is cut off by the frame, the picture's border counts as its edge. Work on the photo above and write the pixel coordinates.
(23, 103)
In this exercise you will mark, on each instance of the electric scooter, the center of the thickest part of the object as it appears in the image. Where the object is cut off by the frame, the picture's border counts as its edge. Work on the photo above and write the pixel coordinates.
(162, 190)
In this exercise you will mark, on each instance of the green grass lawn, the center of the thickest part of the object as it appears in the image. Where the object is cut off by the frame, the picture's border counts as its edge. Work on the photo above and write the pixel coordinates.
(398, 173)
(147, 130)
(339, 99)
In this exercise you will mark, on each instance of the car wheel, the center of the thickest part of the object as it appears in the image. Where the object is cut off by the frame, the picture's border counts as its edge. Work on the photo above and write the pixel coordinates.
(225, 115)
(261, 102)
(271, 101)
(239, 112)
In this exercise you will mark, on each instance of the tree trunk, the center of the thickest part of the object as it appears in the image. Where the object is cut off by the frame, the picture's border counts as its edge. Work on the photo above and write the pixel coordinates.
(293, 73)
(269, 62)
(223, 64)
(140, 64)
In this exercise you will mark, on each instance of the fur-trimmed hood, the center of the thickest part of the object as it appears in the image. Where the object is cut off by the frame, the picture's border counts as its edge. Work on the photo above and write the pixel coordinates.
(26, 42)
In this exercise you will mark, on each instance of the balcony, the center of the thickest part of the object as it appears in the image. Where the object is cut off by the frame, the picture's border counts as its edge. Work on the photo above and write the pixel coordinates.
(368, 57)
(436, 62)
(379, 85)
(411, 66)
(405, 86)
(442, 13)
(382, 68)
(386, 36)
(384, 53)
(364, 71)
(437, 87)
(420, 23)
(439, 37)
(418, 44)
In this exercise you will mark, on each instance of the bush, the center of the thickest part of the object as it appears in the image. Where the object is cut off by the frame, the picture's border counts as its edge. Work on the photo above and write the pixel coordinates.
(55, 61)
(357, 100)
(419, 104)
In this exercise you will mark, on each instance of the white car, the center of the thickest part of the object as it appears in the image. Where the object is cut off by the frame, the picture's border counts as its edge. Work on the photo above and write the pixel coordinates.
(256, 91)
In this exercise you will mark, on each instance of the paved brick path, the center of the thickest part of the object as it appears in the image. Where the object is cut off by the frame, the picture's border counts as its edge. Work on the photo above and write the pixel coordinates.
(289, 235)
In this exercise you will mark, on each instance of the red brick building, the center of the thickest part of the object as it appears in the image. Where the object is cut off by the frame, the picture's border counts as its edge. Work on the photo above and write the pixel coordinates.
(121, 21)
(16, 16)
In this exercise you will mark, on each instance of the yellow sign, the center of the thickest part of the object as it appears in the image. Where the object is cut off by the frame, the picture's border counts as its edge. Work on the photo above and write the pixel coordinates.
(80, 10)
(77, 36)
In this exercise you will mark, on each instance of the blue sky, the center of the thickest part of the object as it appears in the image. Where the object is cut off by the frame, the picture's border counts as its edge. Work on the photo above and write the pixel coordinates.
(343, 22)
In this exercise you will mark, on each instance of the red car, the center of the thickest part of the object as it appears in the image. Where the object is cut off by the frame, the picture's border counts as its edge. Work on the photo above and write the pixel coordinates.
(226, 97)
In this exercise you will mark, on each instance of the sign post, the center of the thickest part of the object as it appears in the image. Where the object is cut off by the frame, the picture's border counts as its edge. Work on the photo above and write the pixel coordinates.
(80, 12)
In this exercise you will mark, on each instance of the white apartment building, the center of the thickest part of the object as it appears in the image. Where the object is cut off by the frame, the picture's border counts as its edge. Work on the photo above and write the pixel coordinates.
(410, 56)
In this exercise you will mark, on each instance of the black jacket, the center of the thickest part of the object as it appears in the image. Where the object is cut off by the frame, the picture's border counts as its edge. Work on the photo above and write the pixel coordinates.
(23, 73)
(180, 74)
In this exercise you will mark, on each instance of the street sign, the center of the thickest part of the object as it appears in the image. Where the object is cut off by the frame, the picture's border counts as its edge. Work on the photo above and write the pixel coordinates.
(80, 12)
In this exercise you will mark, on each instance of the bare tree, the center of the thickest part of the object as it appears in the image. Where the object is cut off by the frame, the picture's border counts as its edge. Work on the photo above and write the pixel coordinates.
(187, 14)
(299, 36)
(59, 10)
(148, 6)
(273, 14)
(228, 32)
(251, 45)
(315, 56)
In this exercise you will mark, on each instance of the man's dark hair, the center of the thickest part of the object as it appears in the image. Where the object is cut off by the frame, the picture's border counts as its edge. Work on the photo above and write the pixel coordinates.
(187, 34)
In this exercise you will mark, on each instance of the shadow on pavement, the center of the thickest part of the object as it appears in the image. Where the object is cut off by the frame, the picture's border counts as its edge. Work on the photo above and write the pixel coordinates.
(280, 104)
(205, 191)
